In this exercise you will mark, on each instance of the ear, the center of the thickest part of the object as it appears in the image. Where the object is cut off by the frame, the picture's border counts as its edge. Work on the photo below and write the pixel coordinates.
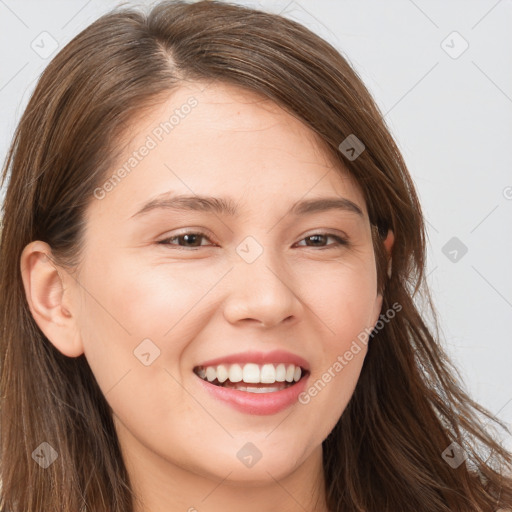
(48, 291)
(388, 244)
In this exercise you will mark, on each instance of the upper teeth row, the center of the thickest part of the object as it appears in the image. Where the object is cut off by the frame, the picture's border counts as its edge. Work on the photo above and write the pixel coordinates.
(251, 373)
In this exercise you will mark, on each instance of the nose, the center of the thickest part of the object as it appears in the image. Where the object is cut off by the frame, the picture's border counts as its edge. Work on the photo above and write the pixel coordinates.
(261, 292)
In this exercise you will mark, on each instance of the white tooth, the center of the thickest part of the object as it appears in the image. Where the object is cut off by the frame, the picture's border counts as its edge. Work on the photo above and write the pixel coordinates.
(268, 374)
(251, 373)
(222, 373)
(280, 372)
(235, 373)
(289, 372)
(211, 374)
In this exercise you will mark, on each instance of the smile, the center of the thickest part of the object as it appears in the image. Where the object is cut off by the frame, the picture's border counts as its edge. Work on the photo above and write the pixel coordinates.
(252, 377)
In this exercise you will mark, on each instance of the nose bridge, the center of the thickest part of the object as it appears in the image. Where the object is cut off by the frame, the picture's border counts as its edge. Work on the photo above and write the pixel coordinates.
(261, 289)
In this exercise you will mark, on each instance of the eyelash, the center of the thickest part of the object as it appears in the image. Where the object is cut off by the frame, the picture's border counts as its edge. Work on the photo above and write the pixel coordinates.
(340, 240)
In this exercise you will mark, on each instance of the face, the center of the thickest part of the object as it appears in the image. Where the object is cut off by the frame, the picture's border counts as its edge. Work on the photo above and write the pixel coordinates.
(175, 297)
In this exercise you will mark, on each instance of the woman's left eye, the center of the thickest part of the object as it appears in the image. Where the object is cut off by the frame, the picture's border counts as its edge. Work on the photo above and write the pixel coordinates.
(319, 236)
(193, 240)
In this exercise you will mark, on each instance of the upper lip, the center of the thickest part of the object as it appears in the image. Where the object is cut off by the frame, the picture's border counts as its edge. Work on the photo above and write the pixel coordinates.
(274, 357)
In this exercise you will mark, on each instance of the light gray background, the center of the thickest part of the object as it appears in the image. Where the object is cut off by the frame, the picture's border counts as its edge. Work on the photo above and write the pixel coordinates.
(450, 114)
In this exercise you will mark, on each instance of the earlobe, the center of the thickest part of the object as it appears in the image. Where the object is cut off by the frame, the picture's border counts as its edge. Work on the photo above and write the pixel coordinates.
(48, 298)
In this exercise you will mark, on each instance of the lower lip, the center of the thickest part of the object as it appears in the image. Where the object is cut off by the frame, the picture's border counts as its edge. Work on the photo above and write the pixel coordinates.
(257, 403)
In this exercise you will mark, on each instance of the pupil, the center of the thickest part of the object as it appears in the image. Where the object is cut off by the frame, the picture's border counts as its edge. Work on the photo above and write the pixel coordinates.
(315, 237)
(188, 238)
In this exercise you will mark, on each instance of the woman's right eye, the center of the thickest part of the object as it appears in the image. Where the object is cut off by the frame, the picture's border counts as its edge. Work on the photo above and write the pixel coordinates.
(190, 238)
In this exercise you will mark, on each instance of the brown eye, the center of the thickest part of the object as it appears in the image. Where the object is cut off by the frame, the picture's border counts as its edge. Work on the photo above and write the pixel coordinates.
(190, 239)
(319, 239)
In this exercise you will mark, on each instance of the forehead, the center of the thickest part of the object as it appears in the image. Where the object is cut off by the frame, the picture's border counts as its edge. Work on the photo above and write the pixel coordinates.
(221, 140)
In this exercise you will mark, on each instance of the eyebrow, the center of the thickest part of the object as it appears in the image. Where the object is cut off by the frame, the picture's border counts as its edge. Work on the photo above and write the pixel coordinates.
(227, 207)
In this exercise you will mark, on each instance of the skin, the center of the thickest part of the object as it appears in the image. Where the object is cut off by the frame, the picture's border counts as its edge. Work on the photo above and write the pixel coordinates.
(179, 444)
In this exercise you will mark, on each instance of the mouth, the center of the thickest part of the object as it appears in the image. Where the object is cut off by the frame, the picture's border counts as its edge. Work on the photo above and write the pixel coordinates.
(252, 377)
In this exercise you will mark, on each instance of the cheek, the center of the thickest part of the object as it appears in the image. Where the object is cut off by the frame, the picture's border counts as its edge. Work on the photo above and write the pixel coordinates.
(346, 301)
(344, 297)
(142, 301)
(131, 309)
(135, 326)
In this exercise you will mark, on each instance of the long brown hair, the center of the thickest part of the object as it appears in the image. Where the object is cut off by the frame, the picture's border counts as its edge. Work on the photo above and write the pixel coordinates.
(386, 451)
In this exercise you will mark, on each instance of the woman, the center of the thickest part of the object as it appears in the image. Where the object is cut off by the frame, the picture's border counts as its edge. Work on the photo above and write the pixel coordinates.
(177, 331)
